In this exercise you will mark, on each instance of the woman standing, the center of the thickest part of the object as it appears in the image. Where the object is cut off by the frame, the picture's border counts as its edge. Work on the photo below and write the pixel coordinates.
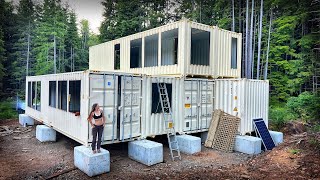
(97, 121)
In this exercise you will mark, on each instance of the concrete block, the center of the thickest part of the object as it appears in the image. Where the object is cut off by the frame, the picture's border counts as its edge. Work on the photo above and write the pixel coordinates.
(277, 137)
(89, 163)
(45, 133)
(26, 120)
(189, 144)
(146, 152)
(248, 144)
(204, 136)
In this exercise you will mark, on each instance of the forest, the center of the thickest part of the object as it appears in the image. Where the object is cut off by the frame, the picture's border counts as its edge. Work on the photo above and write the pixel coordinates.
(281, 41)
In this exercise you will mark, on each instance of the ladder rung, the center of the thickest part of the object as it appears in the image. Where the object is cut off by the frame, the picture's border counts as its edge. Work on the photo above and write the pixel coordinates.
(167, 115)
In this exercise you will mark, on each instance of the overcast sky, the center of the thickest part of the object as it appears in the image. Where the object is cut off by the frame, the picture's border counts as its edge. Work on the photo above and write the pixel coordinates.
(91, 10)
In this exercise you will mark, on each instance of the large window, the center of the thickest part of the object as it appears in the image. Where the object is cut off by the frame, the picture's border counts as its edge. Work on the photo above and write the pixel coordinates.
(34, 95)
(38, 96)
(234, 53)
(156, 104)
(169, 47)
(74, 96)
(62, 95)
(151, 50)
(52, 93)
(30, 94)
(135, 53)
(62, 98)
(117, 56)
(200, 47)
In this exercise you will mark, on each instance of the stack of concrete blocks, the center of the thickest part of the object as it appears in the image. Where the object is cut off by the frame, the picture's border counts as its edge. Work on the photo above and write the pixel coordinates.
(189, 144)
(89, 163)
(45, 133)
(26, 120)
(252, 145)
(248, 144)
(146, 152)
(277, 137)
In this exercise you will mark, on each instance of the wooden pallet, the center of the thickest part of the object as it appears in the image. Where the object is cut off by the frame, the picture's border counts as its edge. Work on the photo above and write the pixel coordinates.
(225, 136)
(222, 131)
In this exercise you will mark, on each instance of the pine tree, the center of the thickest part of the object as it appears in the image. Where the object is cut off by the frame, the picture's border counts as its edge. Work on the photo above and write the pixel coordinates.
(72, 43)
(7, 29)
(23, 46)
(50, 35)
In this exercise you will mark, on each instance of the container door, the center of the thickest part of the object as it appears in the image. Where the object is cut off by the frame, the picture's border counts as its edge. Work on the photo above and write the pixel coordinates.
(191, 105)
(103, 90)
(130, 107)
(206, 91)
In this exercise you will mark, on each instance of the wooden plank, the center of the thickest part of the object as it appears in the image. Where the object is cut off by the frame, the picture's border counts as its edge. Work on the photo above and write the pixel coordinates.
(213, 127)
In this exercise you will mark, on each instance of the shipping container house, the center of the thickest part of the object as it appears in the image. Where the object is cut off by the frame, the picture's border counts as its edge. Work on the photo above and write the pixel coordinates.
(183, 48)
(131, 103)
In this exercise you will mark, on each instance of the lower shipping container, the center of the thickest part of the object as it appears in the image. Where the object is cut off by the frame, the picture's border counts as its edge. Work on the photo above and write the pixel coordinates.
(131, 103)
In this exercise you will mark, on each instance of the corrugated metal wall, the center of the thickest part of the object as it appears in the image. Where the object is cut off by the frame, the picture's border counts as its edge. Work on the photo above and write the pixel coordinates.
(75, 127)
(102, 56)
(247, 99)
(192, 103)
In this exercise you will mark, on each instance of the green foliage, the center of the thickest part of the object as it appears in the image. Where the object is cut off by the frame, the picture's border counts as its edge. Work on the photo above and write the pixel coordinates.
(6, 111)
(294, 151)
(306, 106)
(279, 116)
(316, 128)
(123, 17)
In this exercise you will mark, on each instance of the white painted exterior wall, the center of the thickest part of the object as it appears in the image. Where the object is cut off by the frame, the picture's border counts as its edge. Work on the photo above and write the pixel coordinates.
(75, 127)
(101, 57)
(193, 101)
(247, 99)
(192, 105)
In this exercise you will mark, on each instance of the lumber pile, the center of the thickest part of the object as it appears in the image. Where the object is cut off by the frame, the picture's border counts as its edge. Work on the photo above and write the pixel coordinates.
(222, 131)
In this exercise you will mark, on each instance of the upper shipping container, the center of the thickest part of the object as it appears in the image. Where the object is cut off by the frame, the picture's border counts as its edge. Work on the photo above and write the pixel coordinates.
(182, 48)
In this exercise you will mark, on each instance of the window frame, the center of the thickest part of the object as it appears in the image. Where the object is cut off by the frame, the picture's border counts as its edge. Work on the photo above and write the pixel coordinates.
(234, 53)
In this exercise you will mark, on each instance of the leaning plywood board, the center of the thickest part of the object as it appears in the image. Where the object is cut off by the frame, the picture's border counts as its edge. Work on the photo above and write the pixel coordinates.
(213, 127)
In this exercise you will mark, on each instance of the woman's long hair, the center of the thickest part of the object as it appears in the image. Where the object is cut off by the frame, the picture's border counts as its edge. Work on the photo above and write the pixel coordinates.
(93, 107)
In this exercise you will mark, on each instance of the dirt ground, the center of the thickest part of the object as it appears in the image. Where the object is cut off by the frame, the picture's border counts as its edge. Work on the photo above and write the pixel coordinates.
(22, 156)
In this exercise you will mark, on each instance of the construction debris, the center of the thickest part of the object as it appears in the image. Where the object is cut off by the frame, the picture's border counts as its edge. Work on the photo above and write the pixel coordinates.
(4, 131)
(16, 138)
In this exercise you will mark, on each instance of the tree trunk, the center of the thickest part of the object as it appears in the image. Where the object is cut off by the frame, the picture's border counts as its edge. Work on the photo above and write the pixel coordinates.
(246, 39)
(254, 44)
(240, 27)
(259, 40)
(232, 29)
(28, 55)
(250, 41)
(268, 48)
(54, 54)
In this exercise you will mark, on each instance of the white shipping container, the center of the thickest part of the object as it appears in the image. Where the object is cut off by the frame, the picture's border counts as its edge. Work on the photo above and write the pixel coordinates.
(182, 48)
(191, 102)
(246, 98)
(131, 103)
(121, 104)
